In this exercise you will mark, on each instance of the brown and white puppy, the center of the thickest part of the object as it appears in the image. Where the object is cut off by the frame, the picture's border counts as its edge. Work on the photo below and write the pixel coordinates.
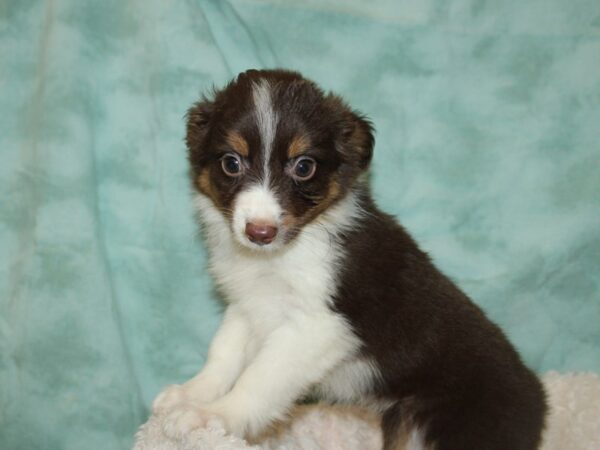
(327, 294)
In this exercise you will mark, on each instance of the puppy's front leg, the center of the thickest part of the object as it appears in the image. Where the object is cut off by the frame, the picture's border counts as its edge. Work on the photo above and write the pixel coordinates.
(294, 356)
(226, 358)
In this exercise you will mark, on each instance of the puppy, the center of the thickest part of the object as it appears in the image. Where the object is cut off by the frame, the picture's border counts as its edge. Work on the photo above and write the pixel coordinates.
(327, 294)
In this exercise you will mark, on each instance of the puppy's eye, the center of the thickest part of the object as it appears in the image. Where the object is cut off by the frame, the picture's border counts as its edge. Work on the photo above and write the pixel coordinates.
(232, 165)
(304, 168)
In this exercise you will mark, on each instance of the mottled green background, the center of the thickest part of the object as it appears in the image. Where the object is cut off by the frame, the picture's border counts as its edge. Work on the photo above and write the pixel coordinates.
(488, 119)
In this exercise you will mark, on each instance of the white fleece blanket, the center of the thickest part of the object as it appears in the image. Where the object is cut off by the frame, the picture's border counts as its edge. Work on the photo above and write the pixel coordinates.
(573, 424)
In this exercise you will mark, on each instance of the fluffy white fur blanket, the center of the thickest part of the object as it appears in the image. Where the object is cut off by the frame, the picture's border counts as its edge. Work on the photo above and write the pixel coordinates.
(573, 424)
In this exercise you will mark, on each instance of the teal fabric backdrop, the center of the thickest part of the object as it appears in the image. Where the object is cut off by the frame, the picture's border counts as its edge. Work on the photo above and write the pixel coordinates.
(488, 150)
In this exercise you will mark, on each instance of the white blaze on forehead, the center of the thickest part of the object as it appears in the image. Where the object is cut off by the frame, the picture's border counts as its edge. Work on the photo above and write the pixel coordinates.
(255, 205)
(266, 119)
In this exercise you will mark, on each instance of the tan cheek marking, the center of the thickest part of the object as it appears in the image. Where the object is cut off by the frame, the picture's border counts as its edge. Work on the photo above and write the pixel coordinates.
(238, 143)
(333, 193)
(289, 221)
(299, 145)
(203, 183)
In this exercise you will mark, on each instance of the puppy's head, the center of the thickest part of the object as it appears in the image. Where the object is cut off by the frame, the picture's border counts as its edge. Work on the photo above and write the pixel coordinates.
(272, 152)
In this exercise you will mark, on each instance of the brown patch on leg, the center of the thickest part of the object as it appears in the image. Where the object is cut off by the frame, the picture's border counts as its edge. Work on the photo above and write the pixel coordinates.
(238, 143)
(402, 439)
(299, 145)
(399, 428)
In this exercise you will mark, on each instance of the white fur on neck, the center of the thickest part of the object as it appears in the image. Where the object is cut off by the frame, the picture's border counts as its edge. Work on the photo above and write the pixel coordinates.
(313, 250)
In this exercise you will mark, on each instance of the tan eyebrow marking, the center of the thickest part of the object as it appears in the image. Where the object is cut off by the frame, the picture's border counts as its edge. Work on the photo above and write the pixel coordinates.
(299, 145)
(237, 143)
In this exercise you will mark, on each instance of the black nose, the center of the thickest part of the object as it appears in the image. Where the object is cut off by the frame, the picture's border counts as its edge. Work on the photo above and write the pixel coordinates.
(261, 233)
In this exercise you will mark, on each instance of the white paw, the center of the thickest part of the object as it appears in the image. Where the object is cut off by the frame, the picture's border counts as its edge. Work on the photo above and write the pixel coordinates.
(187, 417)
(170, 397)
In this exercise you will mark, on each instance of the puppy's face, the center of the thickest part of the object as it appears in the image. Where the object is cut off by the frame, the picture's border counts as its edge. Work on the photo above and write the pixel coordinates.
(272, 152)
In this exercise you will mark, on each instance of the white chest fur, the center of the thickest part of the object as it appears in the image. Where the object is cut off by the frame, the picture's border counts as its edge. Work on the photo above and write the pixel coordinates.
(271, 287)
(274, 287)
(292, 289)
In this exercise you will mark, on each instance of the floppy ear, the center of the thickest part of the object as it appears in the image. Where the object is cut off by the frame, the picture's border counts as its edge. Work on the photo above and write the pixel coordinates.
(357, 140)
(354, 140)
(198, 123)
